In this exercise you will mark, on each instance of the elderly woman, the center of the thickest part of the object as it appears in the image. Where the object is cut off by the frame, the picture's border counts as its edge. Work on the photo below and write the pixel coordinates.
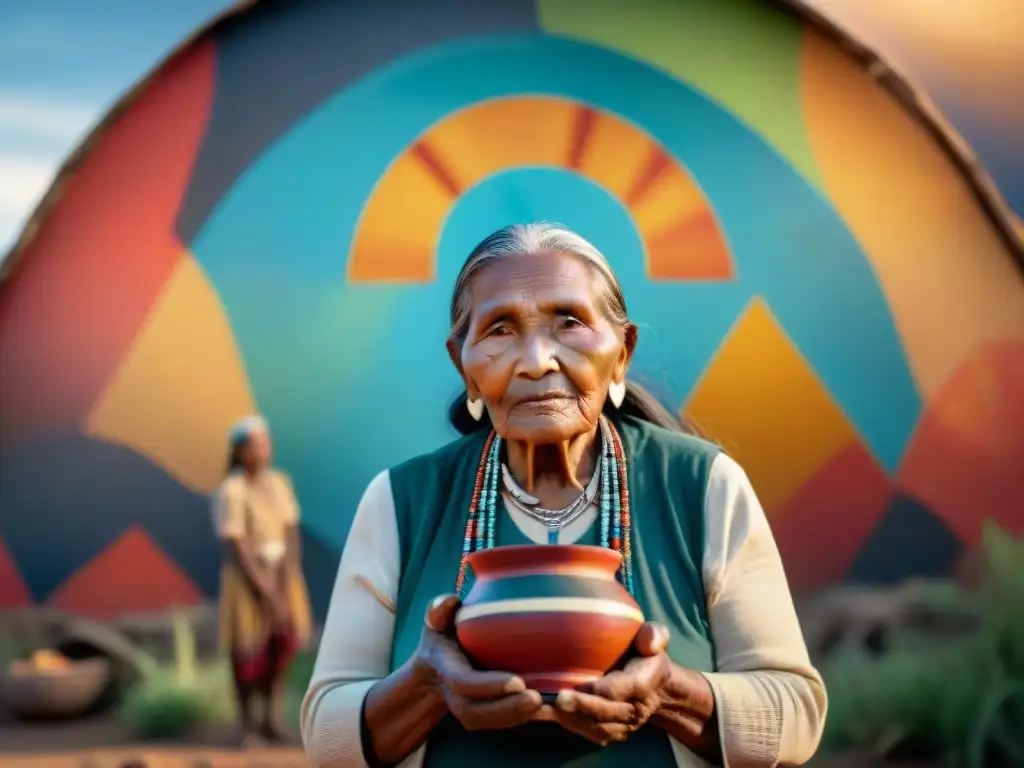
(264, 610)
(541, 338)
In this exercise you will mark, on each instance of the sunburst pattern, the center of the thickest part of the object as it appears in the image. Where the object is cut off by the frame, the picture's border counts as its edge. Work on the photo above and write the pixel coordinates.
(675, 222)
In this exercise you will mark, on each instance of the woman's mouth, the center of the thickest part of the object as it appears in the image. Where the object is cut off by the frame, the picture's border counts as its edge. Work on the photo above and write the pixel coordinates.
(546, 399)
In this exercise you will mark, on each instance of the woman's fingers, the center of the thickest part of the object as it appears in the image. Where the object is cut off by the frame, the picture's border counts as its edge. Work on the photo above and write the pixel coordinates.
(505, 712)
(596, 708)
(584, 725)
(451, 665)
(458, 676)
(615, 686)
(482, 686)
(639, 679)
(651, 639)
(440, 616)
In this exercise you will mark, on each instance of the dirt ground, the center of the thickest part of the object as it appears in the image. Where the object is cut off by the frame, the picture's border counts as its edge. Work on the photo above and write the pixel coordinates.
(88, 743)
(149, 757)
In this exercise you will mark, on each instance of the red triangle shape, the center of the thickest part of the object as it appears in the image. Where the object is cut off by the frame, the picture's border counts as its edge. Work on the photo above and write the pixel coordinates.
(132, 575)
(14, 593)
(964, 461)
(822, 528)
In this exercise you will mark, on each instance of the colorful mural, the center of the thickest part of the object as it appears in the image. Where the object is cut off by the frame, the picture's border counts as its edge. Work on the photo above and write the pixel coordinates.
(275, 220)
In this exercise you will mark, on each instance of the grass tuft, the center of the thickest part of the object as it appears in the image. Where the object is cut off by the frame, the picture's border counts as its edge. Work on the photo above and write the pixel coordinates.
(959, 701)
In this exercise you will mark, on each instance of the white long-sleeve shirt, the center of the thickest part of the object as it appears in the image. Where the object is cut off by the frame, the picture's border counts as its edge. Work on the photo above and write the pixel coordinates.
(770, 700)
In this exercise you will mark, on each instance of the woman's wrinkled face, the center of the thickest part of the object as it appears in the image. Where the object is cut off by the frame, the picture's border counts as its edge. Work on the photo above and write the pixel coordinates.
(540, 349)
(257, 451)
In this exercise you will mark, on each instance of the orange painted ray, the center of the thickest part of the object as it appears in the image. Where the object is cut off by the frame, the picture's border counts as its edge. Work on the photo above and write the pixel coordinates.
(689, 249)
(681, 235)
(496, 135)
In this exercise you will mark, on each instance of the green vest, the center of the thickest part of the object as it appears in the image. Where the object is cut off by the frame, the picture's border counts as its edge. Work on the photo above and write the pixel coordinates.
(667, 475)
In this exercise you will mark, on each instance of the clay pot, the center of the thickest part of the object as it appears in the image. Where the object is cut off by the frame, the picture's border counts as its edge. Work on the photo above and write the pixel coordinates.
(554, 615)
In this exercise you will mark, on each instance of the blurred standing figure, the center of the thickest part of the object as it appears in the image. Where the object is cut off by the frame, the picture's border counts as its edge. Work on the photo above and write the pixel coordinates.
(264, 607)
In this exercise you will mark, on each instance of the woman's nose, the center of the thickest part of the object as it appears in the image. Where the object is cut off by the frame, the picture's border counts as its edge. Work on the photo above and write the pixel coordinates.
(537, 357)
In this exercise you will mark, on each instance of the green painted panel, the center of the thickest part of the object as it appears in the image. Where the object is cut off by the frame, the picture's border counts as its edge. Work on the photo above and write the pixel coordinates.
(742, 53)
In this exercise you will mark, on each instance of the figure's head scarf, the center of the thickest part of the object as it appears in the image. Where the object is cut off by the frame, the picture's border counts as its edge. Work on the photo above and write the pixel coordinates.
(246, 428)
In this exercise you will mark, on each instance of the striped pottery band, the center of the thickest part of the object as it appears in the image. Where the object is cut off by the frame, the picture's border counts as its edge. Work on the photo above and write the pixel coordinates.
(555, 615)
(563, 605)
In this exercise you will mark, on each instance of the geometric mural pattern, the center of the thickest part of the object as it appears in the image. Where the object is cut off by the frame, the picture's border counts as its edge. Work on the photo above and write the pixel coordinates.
(274, 223)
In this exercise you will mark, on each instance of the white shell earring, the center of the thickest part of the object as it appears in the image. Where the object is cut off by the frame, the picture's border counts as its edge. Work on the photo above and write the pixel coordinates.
(617, 392)
(475, 406)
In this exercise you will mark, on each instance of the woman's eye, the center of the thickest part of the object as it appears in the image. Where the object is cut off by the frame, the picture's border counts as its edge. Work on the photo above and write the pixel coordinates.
(498, 330)
(571, 321)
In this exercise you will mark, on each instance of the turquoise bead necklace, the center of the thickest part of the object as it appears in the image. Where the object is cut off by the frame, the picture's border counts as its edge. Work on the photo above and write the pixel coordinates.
(614, 514)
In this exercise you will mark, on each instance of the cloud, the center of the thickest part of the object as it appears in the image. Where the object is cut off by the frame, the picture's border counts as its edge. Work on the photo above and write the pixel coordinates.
(36, 134)
(44, 119)
(25, 181)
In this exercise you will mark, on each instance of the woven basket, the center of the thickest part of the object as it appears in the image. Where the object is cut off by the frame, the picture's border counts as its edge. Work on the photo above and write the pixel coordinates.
(63, 693)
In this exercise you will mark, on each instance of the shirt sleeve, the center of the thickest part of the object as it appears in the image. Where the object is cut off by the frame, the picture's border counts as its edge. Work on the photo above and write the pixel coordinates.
(289, 504)
(771, 702)
(355, 647)
(229, 509)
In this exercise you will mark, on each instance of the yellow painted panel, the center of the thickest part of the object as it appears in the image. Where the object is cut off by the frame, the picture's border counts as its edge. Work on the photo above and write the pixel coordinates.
(383, 250)
(181, 386)
(950, 283)
(504, 133)
(760, 400)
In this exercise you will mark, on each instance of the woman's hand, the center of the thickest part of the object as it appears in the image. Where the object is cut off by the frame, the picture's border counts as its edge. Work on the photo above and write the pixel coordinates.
(280, 608)
(478, 700)
(621, 702)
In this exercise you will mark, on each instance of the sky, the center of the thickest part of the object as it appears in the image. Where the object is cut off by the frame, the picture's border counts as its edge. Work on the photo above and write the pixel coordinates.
(63, 63)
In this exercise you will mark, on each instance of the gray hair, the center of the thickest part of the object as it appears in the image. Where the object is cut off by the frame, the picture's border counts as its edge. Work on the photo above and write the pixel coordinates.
(523, 240)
